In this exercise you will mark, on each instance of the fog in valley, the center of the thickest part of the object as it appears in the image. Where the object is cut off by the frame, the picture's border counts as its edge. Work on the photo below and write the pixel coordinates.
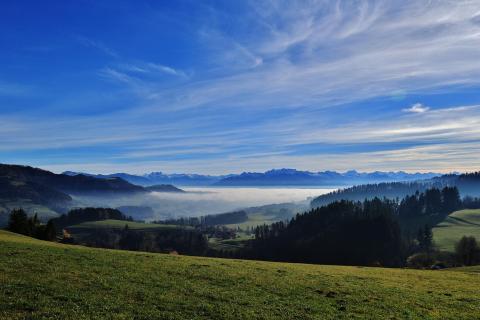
(203, 201)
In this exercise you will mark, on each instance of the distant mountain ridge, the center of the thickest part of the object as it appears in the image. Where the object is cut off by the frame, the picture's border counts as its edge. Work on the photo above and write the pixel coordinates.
(274, 177)
(293, 177)
(159, 178)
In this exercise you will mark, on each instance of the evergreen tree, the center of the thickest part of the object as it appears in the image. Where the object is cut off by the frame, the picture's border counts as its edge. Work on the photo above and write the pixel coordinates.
(428, 238)
(18, 222)
(450, 199)
(468, 251)
(433, 201)
(50, 232)
(425, 238)
(32, 226)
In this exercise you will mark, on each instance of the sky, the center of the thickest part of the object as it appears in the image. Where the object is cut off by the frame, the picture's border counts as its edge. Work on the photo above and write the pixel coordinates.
(220, 87)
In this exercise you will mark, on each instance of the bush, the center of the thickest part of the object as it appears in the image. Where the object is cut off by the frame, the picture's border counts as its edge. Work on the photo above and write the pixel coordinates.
(420, 260)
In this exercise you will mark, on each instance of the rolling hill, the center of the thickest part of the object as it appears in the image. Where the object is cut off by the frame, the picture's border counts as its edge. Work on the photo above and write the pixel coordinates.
(456, 225)
(44, 280)
(79, 184)
(163, 188)
(47, 193)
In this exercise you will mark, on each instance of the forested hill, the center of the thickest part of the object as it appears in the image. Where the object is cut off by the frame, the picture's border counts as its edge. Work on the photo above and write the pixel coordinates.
(14, 190)
(468, 184)
(22, 184)
(371, 232)
(163, 188)
(79, 184)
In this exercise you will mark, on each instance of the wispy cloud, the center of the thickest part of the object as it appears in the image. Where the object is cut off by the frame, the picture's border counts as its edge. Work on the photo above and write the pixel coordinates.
(153, 68)
(116, 75)
(417, 108)
(326, 53)
(287, 83)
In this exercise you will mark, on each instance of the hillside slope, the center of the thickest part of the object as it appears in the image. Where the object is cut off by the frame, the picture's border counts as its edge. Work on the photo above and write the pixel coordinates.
(458, 224)
(49, 194)
(78, 184)
(468, 184)
(45, 280)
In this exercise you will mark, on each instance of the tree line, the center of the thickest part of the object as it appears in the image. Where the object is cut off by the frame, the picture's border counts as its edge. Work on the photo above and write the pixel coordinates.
(369, 232)
(20, 223)
(181, 240)
(209, 220)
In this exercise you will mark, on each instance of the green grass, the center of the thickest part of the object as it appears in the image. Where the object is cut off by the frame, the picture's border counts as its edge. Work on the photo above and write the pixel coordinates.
(42, 280)
(458, 224)
(255, 219)
(120, 224)
(473, 269)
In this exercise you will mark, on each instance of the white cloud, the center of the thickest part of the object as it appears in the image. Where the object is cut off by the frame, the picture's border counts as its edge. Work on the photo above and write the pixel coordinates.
(417, 108)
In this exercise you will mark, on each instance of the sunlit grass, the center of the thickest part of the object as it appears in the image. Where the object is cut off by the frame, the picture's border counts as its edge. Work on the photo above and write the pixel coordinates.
(43, 280)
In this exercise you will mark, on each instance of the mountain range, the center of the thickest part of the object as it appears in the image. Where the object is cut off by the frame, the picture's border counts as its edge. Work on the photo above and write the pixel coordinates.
(275, 177)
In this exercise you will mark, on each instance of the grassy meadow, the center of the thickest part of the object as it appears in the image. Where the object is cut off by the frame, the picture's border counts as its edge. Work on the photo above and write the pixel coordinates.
(44, 280)
(458, 224)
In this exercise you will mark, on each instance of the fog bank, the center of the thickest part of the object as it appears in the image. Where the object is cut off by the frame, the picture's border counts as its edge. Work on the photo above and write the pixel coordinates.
(202, 201)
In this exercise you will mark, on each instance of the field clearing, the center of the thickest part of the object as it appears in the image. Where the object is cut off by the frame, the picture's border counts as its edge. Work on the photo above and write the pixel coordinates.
(458, 224)
(255, 219)
(43, 280)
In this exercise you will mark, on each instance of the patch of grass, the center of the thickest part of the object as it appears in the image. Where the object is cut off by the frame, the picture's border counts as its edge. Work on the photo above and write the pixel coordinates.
(474, 269)
(43, 280)
(458, 224)
(256, 219)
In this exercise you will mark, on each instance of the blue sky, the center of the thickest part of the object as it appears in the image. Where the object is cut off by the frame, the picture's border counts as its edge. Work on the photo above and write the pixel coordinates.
(231, 86)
